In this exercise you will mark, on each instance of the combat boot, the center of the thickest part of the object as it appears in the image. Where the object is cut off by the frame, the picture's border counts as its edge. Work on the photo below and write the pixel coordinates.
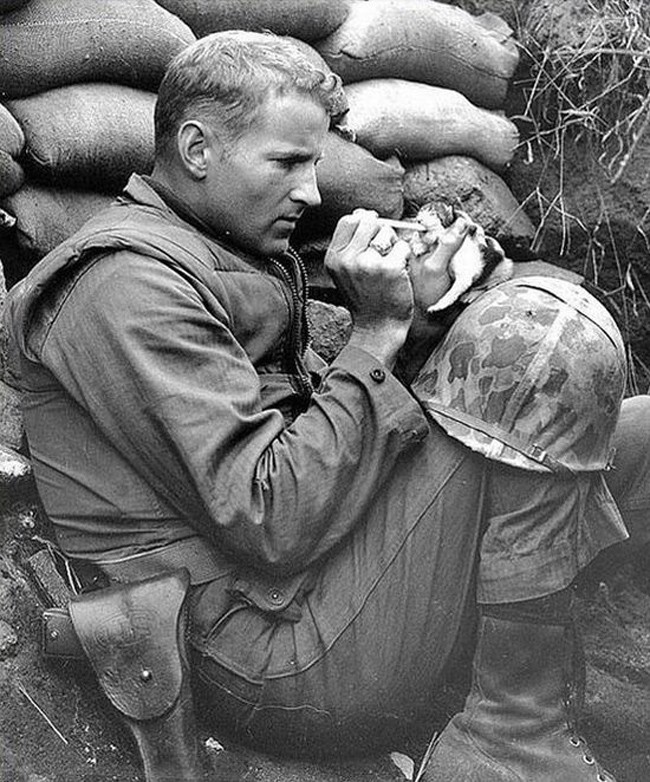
(518, 723)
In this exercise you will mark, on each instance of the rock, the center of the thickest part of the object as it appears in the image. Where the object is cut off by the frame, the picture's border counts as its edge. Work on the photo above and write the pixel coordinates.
(8, 639)
(15, 472)
(12, 426)
(330, 327)
(7, 596)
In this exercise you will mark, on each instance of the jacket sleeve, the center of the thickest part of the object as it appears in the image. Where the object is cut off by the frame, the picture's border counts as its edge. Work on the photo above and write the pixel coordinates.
(166, 382)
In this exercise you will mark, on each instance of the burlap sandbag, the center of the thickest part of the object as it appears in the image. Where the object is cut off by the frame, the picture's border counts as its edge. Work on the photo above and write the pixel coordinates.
(12, 142)
(477, 190)
(304, 19)
(421, 122)
(49, 43)
(87, 135)
(349, 177)
(12, 175)
(12, 138)
(46, 216)
(428, 42)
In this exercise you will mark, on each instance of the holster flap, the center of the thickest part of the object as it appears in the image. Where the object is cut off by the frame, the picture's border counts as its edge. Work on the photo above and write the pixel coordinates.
(59, 637)
(133, 635)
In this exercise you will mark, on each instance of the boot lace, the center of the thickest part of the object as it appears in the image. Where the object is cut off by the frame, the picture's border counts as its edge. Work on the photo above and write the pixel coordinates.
(573, 698)
(578, 742)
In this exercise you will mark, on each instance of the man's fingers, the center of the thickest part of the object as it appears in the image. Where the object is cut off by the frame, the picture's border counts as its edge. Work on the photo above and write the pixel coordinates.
(383, 240)
(394, 258)
(348, 225)
(343, 232)
(400, 252)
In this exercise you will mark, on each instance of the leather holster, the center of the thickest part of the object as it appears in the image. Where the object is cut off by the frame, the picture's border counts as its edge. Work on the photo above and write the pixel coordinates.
(134, 636)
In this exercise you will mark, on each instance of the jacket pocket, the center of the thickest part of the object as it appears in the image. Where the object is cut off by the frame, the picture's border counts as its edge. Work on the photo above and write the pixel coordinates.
(277, 598)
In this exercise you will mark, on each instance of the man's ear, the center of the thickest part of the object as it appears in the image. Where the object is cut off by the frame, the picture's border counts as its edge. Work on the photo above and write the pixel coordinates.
(195, 147)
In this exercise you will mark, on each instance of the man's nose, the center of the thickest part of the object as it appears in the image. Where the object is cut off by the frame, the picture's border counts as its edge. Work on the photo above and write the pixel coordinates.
(306, 191)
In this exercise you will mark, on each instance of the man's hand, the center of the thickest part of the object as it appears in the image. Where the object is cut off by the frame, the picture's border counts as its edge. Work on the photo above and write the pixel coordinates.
(431, 279)
(368, 263)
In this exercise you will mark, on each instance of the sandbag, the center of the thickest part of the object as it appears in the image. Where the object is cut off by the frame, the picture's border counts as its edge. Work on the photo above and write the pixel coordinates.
(12, 138)
(87, 135)
(50, 43)
(428, 42)
(304, 19)
(474, 188)
(46, 216)
(421, 122)
(12, 142)
(349, 177)
(12, 175)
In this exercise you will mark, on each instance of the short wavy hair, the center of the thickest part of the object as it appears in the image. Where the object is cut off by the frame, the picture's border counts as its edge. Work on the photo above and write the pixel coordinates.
(225, 78)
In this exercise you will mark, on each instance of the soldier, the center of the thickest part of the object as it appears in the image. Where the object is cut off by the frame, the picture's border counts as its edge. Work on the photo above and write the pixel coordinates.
(340, 533)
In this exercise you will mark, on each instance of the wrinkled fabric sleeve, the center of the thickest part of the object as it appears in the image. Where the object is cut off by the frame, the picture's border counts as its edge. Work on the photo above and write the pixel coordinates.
(152, 359)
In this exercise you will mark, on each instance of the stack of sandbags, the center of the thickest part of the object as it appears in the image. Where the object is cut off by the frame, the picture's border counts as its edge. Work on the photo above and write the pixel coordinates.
(427, 42)
(426, 82)
(79, 79)
(426, 79)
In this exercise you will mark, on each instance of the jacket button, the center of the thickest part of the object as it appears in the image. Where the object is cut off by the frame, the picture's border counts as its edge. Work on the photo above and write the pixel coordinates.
(378, 375)
(275, 595)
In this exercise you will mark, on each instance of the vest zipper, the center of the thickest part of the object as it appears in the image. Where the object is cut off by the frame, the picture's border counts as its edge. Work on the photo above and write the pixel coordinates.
(299, 326)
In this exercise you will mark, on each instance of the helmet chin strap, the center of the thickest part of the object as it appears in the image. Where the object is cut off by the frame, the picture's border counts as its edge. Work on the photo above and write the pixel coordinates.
(532, 451)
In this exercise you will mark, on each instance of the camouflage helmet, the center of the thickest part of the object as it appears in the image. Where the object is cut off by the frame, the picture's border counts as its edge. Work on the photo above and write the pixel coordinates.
(531, 374)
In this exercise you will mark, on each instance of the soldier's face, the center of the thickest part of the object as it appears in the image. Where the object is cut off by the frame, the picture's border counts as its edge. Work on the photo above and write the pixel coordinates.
(258, 189)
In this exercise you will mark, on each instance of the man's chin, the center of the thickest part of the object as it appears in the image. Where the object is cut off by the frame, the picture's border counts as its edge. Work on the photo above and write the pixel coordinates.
(277, 245)
(265, 248)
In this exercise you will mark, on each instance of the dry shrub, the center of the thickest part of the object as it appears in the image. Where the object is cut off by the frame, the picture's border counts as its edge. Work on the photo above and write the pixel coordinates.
(589, 76)
(587, 84)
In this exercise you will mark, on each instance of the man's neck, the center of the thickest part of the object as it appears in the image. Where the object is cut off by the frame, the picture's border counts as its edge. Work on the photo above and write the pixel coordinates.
(182, 209)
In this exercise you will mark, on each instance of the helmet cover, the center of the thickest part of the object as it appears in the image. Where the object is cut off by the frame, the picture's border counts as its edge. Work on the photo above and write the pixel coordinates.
(531, 374)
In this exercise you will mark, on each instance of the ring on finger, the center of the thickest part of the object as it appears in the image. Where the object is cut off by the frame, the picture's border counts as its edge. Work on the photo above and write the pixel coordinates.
(381, 248)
